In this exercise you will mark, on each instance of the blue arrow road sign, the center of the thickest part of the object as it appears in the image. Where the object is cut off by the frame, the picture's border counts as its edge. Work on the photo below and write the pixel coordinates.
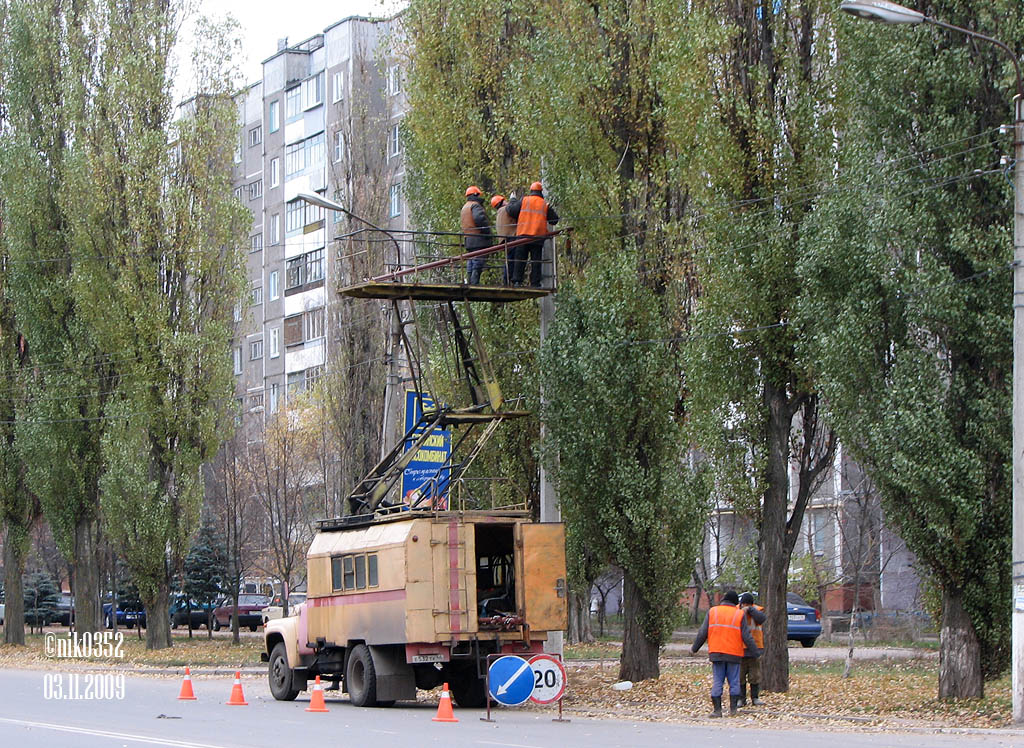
(511, 680)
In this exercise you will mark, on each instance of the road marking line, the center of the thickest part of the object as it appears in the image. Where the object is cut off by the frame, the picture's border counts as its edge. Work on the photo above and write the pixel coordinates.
(107, 734)
(509, 745)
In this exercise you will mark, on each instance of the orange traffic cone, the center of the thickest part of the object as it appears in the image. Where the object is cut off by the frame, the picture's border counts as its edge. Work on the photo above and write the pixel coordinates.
(316, 699)
(444, 707)
(237, 697)
(186, 688)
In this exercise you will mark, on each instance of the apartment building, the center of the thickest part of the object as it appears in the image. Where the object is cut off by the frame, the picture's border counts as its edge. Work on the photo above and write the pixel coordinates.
(324, 118)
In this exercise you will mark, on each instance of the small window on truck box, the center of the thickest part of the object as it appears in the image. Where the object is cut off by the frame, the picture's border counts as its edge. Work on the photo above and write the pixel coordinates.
(354, 571)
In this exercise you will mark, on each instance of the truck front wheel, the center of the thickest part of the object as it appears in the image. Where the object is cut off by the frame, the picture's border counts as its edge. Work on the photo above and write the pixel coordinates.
(281, 680)
(361, 677)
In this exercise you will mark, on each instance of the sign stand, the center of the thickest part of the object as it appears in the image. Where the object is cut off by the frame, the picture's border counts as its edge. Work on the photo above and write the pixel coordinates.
(547, 669)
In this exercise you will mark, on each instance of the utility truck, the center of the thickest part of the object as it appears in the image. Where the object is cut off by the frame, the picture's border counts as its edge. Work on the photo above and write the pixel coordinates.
(412, 599)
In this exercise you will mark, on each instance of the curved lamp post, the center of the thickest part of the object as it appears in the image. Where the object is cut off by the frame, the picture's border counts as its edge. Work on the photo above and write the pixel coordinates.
(323, 202)
(888, 12)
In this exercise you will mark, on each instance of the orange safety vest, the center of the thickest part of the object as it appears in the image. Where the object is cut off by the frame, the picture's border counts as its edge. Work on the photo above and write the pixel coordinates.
(724, 630)
(533, 216)
(756, 631)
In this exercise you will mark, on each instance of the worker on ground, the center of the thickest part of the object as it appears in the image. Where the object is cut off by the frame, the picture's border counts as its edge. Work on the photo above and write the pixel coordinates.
(506, 230)
(728, 635)
(750, 666)
(477, 232)
(532, 215)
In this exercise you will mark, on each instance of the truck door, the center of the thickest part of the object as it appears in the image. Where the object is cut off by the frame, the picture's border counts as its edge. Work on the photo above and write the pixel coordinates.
(540, 572)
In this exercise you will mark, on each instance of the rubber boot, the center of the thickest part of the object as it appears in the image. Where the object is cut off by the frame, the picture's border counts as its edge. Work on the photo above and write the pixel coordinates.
(733, 708)
(743, 694)
(717, 701)
(755, 692)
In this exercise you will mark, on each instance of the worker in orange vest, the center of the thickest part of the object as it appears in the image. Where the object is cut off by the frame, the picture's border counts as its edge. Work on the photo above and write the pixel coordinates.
(728, 635)
(532, 215)
(476, 230)
(750, 667)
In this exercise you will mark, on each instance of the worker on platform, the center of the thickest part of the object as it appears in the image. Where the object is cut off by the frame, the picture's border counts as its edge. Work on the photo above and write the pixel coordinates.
(476, 230)
(506, 231)
(728, 636)
(532, 215)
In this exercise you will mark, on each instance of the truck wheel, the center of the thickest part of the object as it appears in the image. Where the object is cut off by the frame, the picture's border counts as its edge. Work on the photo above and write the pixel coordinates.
(361, 677)
(280, 674)
(469, 691)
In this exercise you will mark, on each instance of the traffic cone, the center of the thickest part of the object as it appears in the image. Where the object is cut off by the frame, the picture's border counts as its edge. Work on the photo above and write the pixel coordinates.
(316, 699)
(444, 707)
(186, 688)
(237, 697)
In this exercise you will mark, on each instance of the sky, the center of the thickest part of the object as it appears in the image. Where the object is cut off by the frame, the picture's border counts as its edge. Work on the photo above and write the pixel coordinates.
(263, 22)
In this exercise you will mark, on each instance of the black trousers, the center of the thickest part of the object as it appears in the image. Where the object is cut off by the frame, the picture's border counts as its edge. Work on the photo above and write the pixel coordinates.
(533, 250)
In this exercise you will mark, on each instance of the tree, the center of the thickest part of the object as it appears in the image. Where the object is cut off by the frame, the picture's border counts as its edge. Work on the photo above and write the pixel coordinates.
(40, 596)
(911, 266)
(206, 573)
(767, 144)
(624, 487)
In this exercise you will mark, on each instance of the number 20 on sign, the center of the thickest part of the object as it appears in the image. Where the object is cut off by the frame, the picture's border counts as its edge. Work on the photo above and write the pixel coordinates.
(548, 679)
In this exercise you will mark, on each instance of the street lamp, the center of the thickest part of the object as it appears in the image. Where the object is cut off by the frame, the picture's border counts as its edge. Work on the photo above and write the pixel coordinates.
(887, 12)
(323, 202)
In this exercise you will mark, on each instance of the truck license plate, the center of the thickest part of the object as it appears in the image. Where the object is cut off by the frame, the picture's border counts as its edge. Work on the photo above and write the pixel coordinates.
(428, 658)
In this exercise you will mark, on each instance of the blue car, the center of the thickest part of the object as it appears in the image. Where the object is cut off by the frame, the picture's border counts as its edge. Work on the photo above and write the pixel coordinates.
(803, 624)
(125, 618)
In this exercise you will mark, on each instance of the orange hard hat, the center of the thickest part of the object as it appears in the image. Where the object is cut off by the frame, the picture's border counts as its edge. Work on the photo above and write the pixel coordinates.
(472, 190)
(497, 200)
(537, 186)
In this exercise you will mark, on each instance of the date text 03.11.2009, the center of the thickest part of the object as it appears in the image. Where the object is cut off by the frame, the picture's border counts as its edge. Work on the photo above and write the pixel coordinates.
(83, 686)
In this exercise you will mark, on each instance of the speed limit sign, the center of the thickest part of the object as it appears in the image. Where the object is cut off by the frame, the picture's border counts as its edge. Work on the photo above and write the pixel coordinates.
(548, 679)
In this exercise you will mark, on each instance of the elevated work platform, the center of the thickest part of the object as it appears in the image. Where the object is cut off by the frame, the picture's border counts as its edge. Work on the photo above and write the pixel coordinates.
(441, 292)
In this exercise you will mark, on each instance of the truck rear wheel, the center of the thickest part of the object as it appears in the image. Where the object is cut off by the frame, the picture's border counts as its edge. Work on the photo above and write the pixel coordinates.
(361, 677)
(468, 690)
(280, 674)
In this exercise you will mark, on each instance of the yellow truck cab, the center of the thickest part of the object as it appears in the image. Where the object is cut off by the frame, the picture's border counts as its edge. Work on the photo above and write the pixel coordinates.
(412, 599)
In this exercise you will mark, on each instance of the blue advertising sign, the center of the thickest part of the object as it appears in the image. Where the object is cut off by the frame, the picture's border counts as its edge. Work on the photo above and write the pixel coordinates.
(429, 472)
(511, 680)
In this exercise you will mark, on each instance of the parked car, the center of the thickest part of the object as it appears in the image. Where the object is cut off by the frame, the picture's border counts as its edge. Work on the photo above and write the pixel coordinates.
(276, 609)
(127, 616)
(182, 610)
(803, 623)
(249, 607)
(65, 610)
(1, 614)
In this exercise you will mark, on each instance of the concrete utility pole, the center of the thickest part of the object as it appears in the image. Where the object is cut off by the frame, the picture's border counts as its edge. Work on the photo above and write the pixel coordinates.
(887, 12)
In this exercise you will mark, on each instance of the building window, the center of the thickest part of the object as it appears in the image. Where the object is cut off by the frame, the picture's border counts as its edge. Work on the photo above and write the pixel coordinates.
(314, 265)
(275, 342)
(338, 88)
(313, 373)
(256, 242)
(314, 90)
(339, 197)
(238, 312)
(274, 115)
(274, 288)
(256, 350)
(294, 159)
(292, 103)
(256, 401)
(315, 151)
(295, 215)
(293, 330)
(394, 79)
(314, 213)
(275, 172)
(238, 192)
(295, 275)
(256, 135)
(275, 396)
(394, 141)
(237, 155)
(819, 525)
(238, 359)
(256, 189)
(315, 323)
(339, 146)
(275, 228)
(257, 295)
(296, 381)
(395, 195)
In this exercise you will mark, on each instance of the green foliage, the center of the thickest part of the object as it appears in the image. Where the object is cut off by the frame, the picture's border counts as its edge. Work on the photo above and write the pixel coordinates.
(41, 596)
(623, 485)
(909, 268)
(206, 566)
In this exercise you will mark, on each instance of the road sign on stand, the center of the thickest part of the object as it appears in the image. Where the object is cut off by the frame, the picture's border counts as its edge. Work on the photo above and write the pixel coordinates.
(511, 680)
(548, 679)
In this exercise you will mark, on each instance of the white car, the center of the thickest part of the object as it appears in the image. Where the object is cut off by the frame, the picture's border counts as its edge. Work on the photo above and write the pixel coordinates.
(276, 611)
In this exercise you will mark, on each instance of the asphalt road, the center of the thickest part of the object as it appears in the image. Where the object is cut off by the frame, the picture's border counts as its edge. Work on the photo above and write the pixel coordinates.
(35, 710)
